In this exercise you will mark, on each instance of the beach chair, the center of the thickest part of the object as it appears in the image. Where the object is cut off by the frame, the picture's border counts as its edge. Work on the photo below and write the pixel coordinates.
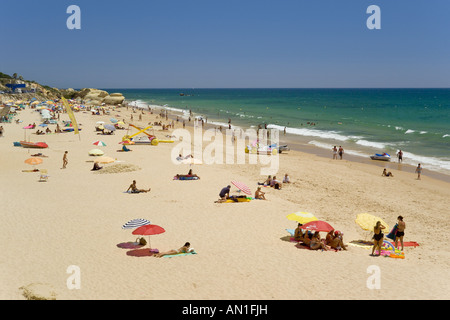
(43, 177)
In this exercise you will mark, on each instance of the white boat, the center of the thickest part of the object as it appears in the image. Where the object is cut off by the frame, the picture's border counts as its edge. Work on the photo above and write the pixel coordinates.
(381, 156)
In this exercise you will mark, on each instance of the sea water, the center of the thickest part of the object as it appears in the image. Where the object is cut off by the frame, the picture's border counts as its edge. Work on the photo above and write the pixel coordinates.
(362, 121)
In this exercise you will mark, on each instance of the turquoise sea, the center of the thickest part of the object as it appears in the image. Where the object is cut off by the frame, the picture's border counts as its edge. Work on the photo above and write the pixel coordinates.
(363, 121)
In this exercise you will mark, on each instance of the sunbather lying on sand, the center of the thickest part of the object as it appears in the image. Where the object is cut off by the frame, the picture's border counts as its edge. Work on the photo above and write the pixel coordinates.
(183, 249)
(134, 189)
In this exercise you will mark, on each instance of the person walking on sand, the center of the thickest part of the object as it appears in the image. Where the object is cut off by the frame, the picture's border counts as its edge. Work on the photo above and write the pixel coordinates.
(401, 226)
(335, 153)
(378, 237)
(400, 156)
(341, 151)
(418, 171)
(65, 160)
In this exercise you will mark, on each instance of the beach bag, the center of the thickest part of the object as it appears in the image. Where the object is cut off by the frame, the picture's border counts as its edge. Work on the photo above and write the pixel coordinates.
(141, 241)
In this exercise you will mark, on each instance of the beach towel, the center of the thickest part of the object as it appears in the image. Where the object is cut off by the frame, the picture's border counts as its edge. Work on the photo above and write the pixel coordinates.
(407, 243)
(179, 254)
(361, 244)
(185, 178)
(393, 232)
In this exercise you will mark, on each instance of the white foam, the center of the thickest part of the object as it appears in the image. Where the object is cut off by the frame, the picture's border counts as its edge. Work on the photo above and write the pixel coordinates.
(335, 135)
(377, 145)
(410, 131)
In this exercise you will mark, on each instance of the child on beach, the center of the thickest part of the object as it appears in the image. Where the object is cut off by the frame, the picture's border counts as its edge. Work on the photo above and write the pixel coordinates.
(418, 171)
(387, 174)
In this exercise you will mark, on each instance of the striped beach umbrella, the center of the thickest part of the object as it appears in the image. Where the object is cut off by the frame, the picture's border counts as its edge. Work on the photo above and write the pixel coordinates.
(99, 143)
(242, 187)
(135, 223)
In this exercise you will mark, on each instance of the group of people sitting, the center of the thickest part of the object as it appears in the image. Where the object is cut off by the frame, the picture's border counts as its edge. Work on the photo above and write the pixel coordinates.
(39, 132)
(274, 182)
(334, 239)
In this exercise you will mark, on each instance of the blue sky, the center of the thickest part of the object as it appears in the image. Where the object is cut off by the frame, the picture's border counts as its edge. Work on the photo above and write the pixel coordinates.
(227, 43)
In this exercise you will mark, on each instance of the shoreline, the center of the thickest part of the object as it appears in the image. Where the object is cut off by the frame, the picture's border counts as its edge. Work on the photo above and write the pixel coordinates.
(299, 143)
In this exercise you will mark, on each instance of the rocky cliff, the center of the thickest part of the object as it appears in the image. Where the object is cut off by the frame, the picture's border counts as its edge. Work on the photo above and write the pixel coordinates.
(88, 96)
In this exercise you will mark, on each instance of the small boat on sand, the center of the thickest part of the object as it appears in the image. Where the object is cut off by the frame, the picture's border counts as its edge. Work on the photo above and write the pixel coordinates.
(38, 145)
(381, 156)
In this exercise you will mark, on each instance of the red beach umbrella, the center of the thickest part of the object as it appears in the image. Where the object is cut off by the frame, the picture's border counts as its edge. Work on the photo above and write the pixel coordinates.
(317, 226)
(243, 187)
(148, 230)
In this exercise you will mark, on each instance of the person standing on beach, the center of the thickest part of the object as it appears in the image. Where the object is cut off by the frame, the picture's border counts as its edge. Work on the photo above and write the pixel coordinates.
(400, 156)
(378, 237)
(341, 151)
(401, 226)
(335, 153)
(418, 171)
(65, 160)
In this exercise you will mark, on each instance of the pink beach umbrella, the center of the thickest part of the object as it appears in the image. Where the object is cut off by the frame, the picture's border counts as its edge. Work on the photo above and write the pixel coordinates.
(242, 187)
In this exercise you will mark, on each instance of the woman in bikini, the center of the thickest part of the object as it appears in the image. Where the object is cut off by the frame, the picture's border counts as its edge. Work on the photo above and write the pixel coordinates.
(316, 242)
(378, 237)
(183, 249)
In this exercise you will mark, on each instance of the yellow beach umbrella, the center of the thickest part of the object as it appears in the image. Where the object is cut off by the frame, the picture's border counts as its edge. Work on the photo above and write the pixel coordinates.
(302, 217)
(368, 221)
(104, 160)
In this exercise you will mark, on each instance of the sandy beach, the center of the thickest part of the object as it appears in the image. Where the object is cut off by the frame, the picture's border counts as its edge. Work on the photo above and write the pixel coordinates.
(243, 249)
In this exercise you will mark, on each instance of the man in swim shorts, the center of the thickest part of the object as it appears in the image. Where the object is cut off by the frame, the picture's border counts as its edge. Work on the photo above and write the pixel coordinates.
(400, 156)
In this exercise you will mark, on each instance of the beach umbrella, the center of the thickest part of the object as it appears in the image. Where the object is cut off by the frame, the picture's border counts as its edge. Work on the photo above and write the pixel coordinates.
(34, 161)
(135, 223)
(110, 127)
(113, 120)
(99, 143)
(317, 226)
(242, 187)
(148, 230)
(100, 122)
(96, 152)
(126, 142)
(104, 160)
(368, 221)
(302, 217)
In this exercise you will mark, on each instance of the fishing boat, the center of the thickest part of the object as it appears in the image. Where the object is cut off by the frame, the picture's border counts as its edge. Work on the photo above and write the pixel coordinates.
(37, 145)
(381, 156)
